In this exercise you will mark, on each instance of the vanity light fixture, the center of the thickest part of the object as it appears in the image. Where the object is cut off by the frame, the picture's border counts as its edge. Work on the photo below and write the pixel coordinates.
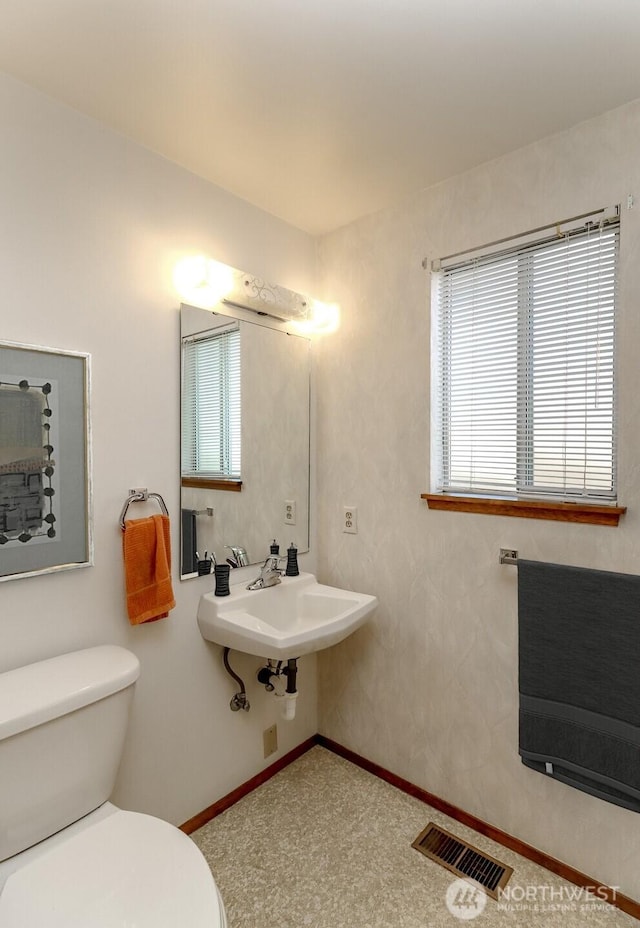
(203, 282)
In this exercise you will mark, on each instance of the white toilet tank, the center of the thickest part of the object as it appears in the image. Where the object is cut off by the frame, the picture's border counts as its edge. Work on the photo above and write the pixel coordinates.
(62, 727)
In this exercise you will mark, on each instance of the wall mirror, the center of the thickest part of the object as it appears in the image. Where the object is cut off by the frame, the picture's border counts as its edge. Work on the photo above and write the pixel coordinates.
(244, 434)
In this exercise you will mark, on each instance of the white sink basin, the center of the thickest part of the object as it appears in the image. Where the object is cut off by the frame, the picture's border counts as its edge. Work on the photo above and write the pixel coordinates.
(292, 618)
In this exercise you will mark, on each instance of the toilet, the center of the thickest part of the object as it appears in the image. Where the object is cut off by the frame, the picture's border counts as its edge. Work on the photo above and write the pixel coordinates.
(68, 857)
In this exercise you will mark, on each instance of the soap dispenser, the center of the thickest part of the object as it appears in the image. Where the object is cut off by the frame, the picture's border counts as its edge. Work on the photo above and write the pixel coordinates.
(292, 561)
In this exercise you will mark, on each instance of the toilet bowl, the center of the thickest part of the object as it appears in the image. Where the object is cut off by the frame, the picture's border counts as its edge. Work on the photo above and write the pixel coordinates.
(68, 860)
(123, 868)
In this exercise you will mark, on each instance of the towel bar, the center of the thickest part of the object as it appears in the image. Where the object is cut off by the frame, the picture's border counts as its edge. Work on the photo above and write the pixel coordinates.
(141, 495)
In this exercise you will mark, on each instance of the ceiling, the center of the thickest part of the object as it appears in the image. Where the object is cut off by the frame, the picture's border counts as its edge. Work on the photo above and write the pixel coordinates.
(321, 111)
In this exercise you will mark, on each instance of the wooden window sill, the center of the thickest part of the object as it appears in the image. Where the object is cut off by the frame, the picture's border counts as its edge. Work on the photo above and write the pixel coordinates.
(212, 483)
(527, 509)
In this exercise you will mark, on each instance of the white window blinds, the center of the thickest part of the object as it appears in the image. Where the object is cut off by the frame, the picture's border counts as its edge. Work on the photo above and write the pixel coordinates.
(211, 414)
(526, 350)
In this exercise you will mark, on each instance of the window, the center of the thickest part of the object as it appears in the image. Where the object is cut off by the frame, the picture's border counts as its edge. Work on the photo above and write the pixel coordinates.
(526, 339)
(211, 404)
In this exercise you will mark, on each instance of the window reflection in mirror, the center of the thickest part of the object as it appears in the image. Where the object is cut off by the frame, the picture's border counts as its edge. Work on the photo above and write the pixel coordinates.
(211, 403)
(240, 494)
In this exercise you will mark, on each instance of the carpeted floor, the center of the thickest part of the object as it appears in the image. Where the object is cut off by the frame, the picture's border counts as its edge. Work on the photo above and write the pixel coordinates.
(324, 844)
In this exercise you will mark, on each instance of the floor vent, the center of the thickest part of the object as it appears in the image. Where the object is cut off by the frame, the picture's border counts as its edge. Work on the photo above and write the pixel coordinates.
(463, 859)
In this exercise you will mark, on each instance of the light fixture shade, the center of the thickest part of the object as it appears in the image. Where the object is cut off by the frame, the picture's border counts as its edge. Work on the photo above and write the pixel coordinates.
(273, 300)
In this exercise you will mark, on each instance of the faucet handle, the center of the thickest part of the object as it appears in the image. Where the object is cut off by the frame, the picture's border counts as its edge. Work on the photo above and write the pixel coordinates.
(239, 555)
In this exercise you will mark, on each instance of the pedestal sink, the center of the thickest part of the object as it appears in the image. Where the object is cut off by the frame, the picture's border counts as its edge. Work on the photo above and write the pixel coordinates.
(292, 618)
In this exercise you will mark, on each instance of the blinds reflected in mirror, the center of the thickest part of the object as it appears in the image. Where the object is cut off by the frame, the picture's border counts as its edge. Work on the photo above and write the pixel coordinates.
(211, 404)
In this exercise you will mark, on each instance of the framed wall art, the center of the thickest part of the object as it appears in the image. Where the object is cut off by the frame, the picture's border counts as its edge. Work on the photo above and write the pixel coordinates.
(45, 461)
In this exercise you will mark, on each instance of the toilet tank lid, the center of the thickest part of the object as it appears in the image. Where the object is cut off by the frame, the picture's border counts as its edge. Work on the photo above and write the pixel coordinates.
(39, 692)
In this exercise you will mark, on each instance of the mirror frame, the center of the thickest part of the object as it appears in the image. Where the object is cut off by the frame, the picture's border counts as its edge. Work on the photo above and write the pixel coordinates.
(66, 540)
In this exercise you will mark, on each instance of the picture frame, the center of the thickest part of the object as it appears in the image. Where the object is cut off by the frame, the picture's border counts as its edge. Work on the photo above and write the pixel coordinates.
(46, 518)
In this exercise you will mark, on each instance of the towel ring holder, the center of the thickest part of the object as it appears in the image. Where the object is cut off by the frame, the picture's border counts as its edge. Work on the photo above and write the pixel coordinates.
(141, 495)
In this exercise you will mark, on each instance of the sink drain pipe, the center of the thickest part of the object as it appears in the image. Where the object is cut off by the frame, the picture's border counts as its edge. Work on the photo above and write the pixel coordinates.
(239, 700)
(271, 678)
(291, 671)
(288, 700)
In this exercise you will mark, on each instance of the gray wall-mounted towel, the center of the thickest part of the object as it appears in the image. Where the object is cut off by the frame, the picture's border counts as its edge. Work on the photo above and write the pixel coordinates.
(579, 678)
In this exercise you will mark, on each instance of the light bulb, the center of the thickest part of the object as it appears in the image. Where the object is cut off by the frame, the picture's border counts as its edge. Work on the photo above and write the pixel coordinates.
(201, 281)
(322, 319)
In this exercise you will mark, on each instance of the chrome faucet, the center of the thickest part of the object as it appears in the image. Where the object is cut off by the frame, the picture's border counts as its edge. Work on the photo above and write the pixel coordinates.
(270, 573)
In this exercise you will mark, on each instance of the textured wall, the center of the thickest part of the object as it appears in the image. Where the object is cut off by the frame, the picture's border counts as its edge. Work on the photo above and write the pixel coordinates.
(429, 688)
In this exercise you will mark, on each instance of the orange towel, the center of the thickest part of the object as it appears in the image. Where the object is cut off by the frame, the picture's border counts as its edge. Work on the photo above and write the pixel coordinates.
(146, 546)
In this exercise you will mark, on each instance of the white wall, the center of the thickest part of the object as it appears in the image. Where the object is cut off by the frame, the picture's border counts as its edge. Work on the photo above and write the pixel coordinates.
(91, 226)
(429, 688)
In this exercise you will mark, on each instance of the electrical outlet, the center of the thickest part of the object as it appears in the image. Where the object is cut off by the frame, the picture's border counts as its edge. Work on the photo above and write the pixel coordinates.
(289, 512)
(270, 740)
(350, 520)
